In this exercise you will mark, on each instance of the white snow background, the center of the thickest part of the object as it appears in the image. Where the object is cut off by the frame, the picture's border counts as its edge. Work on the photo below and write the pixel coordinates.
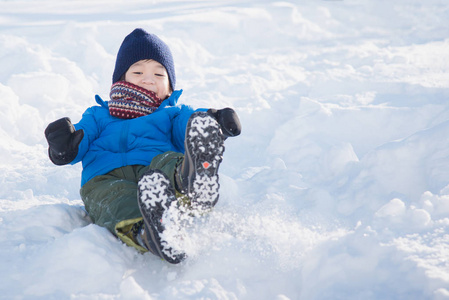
(338, 187)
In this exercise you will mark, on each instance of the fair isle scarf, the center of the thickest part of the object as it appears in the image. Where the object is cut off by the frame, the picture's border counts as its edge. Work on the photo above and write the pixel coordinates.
(129, 101)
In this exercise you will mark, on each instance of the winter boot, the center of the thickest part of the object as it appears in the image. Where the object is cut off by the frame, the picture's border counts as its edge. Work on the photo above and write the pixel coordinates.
(198, 174)
(156, 196)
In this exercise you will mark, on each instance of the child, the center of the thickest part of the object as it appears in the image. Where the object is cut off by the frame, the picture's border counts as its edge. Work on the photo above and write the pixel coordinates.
(141, 153)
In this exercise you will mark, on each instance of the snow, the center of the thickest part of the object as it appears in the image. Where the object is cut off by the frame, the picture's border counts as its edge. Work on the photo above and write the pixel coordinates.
(337, 188)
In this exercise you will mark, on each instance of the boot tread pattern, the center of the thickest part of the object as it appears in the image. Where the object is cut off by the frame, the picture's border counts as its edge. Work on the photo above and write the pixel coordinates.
(205, 145)
(156, 195)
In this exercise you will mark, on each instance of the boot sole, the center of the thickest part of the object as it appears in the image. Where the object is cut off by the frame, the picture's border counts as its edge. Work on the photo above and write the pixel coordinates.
(204, 146)
(156, 195)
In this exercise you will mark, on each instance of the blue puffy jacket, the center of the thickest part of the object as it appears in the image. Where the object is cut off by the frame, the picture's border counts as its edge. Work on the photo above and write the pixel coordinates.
(110, 142)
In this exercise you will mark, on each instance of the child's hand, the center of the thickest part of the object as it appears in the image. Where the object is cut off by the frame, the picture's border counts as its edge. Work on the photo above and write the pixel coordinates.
(63, 141)
(228, 120)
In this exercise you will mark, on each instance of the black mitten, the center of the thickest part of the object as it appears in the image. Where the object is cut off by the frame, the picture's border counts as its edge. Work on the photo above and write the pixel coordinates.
(63, 141)
(228, 120)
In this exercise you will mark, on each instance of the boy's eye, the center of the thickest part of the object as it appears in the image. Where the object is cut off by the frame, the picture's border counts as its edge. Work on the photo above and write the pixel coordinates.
(160, 75)
(137, 73)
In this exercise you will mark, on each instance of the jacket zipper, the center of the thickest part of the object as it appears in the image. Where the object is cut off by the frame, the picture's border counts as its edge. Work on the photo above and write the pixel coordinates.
(124, 142)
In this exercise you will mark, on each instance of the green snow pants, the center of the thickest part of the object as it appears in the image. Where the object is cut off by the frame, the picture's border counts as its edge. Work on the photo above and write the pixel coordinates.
(111, 199)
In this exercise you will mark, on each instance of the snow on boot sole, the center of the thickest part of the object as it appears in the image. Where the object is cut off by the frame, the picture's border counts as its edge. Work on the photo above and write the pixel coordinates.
(156, 195)
(204, 150)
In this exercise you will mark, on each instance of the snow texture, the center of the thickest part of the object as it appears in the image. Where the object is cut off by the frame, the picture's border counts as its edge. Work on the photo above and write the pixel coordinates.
(337, 188)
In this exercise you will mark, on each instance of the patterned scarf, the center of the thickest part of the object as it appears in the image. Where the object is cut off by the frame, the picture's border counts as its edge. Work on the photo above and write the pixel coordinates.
(129, 101)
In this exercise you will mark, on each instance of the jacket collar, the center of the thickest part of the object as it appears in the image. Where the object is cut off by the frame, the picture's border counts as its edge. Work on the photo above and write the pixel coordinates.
(170, 101)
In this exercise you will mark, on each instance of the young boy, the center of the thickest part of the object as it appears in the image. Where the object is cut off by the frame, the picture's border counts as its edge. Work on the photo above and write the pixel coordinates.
(142, 154)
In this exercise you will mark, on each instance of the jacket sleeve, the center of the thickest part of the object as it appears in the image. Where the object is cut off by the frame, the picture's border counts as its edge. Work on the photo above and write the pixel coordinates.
(90, 126)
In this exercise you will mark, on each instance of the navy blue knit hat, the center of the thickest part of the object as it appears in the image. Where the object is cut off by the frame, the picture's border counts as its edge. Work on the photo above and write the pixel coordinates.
(139, 45)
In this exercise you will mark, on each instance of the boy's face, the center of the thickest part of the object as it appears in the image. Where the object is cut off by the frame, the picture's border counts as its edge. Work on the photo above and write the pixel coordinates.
(150, 75)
